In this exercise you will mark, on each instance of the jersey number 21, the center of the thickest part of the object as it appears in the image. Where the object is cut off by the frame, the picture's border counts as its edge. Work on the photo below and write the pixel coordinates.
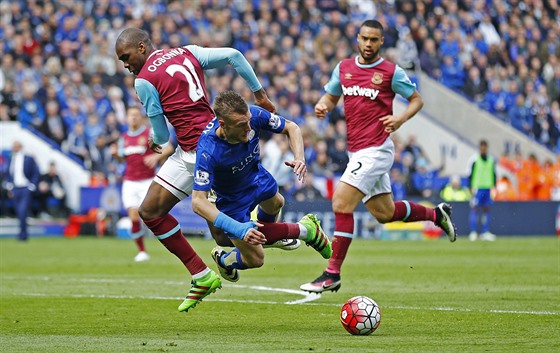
(187, 69)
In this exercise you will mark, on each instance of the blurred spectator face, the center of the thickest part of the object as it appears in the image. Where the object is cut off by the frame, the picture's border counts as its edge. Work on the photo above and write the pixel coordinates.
(455, 182)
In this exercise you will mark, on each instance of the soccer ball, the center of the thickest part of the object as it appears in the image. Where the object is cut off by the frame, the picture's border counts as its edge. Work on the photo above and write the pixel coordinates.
(360, 315)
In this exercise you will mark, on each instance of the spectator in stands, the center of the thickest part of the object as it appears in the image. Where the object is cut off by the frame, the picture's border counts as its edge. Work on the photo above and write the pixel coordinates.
(424, 178)
(23, 177)
(338, 155)
(488, 31)
(452, 74)
(543, 129)
(520, 117)
(454, 191)
(475, 85)
(408, 53)
(545, 181)
(398, 187)
(118, 107)
(31, 112)
(276, 151)
(505, 190)
(527, 46)
(482, 180)
(430, 60)
(555, 192)
(553, 83)
(77, 143)
(111, 129)
(494, 100)
(53, 126)
(308, 192)
(51, 192)
(93, 128)
(416, 151)
(527, 178)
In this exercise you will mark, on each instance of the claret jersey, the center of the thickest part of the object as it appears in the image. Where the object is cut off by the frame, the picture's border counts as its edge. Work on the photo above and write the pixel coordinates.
(133, 145)
(368, 92)
(171, 82)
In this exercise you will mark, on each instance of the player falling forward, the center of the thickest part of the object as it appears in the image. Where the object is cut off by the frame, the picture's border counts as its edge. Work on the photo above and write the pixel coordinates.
(369, 84)
(170, 84)
(228, 162)
(141, 163)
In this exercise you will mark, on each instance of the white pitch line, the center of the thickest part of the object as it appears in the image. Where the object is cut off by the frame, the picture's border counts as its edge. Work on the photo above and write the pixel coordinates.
(307, 299)
(269, 302)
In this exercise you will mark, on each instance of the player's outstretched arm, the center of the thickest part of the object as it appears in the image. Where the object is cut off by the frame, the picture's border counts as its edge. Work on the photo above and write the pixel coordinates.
(211, 58)
(296, 144)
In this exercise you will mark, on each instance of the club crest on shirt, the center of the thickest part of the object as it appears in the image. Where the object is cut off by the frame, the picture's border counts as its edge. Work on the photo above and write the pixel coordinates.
(251, 134)
(274, 121)
(202, 177)
(377, 78)
(142, 140)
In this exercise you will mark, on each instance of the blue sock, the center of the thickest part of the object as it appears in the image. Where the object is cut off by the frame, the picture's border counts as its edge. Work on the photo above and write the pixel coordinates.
(265, 217)
(233, 260)
(473, 220)
(485, 221)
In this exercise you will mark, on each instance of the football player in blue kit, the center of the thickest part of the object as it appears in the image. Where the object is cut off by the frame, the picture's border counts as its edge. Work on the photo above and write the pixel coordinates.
(228, 162)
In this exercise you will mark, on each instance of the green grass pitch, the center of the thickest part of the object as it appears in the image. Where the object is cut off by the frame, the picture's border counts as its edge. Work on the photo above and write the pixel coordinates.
(87, 295)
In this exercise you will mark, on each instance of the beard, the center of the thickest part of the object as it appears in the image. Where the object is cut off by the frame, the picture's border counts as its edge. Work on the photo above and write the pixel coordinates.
(369, 57)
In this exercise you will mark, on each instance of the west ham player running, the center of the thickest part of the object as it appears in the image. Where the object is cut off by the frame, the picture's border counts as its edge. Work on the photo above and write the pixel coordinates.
(170, 84)
(228, 162)
(369, 84)
(141, 163)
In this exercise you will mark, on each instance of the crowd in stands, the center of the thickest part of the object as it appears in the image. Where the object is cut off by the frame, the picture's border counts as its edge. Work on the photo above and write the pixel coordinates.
(59, 75)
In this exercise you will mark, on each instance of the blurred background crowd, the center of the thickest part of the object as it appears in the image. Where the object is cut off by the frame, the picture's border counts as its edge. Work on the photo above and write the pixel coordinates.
(59, 75)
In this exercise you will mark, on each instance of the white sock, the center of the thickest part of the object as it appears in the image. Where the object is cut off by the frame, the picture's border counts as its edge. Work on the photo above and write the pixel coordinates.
(201, 274)
(302, 231)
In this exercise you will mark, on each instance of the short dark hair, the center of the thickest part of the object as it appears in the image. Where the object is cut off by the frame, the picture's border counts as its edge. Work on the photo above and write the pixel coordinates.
(133, 36)
(228, 103)
(373, 24)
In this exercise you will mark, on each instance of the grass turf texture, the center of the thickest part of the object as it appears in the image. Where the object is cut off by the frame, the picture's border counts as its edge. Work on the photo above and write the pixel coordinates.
(87, 295)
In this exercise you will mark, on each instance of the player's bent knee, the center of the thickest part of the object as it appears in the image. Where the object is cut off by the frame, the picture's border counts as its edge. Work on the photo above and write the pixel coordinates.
(147, 213)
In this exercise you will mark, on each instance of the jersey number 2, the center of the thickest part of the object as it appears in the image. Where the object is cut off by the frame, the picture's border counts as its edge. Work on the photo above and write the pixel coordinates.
(187, 69)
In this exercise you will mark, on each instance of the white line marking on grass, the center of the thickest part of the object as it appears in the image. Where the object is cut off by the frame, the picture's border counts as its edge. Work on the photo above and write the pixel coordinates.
(270, 302)
(307, 299)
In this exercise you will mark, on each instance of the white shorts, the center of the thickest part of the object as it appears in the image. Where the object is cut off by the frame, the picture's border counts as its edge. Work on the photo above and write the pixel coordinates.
(177, 173)
(134, 191)
(368, 169)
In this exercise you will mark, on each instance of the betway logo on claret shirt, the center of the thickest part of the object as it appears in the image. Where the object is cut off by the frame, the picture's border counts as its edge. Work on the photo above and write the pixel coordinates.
(360, 91)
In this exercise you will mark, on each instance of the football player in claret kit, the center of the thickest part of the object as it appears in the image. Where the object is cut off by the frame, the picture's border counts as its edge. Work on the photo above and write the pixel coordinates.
(141, 162)
(170, 85)
(369, 84)
(228, 162)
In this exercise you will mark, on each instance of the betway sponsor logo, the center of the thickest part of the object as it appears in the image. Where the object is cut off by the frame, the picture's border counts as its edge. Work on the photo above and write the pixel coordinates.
(360, 91)
(134, 150)
(163, 58)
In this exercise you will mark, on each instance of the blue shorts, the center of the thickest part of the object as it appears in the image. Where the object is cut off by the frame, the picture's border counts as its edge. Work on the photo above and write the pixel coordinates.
(239, 205)
(482, 198)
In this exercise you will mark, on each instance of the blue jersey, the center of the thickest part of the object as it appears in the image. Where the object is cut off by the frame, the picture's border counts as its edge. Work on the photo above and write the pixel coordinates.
(230, 169)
